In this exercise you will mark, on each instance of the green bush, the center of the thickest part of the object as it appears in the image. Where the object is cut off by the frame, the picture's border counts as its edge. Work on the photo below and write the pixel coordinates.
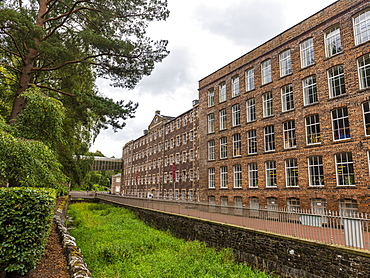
(25, 222)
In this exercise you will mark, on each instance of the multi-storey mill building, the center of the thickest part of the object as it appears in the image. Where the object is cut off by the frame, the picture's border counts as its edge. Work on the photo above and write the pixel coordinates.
(163, 162)
(288, 124)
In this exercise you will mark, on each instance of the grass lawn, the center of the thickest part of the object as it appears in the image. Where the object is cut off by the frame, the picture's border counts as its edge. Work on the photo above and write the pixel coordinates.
(116, 244)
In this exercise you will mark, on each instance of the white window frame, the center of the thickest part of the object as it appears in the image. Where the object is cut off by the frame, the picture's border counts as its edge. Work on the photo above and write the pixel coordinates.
(291, 172)
(333, 44)
(313, 132)
(361, 27)
(271, 173)
(235, 91)
(363, 64)
(266, 73)
(237, 145)
(253, 175)
(249, 79)
(289, 134)
(310, 90)
(211, 178)
(336, 81)
(222, 92)
(285, 63)
(269, 136)
(235, 114)
(287, 98)
(223, 147)
(211, 150)
(223, 177)
(340, 124)
(315, 171)
(307, 53)
(251, 109)
(366, 115)
(268, 109)
(222, 115)
(252, 141)
(211, 122)
(237, 176)
(344, 161)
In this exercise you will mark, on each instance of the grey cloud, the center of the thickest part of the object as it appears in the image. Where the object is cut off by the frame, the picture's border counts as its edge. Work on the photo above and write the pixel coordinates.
(246, 23)
(174, 72)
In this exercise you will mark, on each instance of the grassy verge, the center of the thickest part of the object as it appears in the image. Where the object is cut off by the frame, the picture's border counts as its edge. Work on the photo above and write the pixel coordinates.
(116, 244)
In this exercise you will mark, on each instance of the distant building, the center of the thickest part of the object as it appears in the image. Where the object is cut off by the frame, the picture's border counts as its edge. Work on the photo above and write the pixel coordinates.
(288, 124)
(163, 163)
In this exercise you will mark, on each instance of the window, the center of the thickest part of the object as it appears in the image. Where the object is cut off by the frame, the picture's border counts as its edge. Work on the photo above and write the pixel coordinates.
(235, 86)
(191, 175)
(223, 177)
(318, 206)
(223, 147)
(272, 205)
(336, 81)
(364, 71)
(293, 205)
(333, 44)
(267, 104)
(313, 135)
(251, 110)
(236, 114)
(249, 79)
(183, 175)
(366, 111)
(252, 141)
(266, 72)
(183, 157)
(285, 63)
(291, 172)
(191, 154)
(237, 145)
(315, 171)
(222, 119)
(348, 207)
(307, 53)
(237, 176)
(270, 174)
(340, 124)
(238, 201)
(222, 92)
(361, 25)
(211, 177)
(289, 135)
(344, 169)
(211, 123)
(224, 201)
(254, 203)
(287, 98)
(253, 175)
(310, 90)
(269, 138)
(211, 150)
(184, 138)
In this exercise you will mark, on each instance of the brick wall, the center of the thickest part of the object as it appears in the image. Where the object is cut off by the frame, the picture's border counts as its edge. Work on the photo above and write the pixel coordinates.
(340, 14)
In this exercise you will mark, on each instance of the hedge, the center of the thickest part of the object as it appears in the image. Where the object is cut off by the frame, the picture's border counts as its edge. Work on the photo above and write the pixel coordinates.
(25, 221)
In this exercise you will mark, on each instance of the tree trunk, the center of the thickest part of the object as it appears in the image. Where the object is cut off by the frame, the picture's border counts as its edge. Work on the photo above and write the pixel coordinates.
(29, 61)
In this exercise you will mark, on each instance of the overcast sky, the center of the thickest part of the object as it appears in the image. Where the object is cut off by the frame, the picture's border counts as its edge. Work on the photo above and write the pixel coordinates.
(203, 35)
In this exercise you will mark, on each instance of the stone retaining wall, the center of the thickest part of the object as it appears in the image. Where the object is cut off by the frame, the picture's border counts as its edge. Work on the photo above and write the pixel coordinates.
(291, 257)
(76, 265)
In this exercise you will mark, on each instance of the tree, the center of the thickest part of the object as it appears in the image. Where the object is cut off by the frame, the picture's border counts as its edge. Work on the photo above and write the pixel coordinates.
(51, 43)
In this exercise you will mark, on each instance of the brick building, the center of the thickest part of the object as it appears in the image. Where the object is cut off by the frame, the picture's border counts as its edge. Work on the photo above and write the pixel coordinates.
(163, 163)
(288, 124)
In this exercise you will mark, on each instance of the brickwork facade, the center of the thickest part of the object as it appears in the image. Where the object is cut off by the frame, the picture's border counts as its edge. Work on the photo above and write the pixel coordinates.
(287, 124)
(163, 163)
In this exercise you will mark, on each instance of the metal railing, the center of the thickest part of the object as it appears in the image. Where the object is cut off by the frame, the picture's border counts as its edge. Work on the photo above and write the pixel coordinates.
(352, 230)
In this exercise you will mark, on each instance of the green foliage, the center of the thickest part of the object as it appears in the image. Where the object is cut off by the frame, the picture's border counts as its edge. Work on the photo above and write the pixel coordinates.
(25, 222)
(41, 120)
(27, 162)
(116, 244)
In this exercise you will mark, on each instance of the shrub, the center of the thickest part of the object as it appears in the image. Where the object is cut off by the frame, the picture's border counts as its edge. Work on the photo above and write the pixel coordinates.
(25, 222)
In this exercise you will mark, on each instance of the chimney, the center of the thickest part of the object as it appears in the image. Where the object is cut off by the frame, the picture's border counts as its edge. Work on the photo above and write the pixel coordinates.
(158, 112)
